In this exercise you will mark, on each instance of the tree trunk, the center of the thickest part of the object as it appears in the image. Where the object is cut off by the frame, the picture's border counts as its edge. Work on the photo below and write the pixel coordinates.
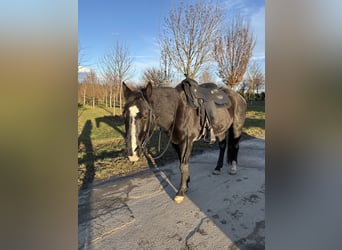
(110, 96)
(114, 113)
(120, 90)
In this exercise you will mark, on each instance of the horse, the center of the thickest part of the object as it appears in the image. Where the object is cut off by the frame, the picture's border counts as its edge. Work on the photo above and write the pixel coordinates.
(169, 109)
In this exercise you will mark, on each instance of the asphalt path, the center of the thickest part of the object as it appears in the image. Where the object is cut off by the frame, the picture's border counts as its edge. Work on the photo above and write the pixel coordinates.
(219, 211)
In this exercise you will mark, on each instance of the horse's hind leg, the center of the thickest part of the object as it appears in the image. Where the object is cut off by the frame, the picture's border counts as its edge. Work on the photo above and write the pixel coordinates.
(222, 145)
(233, 150)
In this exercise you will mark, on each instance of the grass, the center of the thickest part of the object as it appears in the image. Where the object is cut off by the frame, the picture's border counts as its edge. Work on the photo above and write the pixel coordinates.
(255, 119)
(101, 146)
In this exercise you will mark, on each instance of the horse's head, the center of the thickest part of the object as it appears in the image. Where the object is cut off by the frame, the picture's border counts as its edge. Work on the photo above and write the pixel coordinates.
(138, 119)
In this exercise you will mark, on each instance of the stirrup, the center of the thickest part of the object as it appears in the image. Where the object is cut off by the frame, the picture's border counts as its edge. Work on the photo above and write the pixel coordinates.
(212, 136)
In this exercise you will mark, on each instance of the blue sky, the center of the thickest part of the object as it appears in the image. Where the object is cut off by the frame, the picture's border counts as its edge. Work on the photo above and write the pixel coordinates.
(138, 23)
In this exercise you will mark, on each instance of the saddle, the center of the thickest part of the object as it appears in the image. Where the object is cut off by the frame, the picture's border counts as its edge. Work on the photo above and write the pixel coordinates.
(201, 93)
(205, 98)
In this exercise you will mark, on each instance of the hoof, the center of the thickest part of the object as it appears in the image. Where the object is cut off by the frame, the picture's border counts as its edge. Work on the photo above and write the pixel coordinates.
(232, 172)
(216, 172)
(178, 199)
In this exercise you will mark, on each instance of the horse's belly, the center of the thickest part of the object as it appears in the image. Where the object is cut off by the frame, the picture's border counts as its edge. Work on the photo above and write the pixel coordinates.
(223, 121)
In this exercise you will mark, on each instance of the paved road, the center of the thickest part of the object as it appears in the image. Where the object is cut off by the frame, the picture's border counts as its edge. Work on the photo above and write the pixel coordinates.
(219, 212)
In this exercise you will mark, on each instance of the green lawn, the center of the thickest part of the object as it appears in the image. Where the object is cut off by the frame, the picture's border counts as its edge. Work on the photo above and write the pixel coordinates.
(101, 143)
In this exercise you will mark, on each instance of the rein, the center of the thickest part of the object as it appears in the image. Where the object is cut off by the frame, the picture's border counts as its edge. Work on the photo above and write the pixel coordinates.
(168, 144)
(146, 141)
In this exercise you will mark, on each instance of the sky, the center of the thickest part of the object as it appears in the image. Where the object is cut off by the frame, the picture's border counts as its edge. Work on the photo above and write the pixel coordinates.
(138, 23)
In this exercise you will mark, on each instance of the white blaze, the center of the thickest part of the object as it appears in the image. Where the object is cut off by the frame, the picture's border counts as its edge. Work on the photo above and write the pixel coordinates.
(133, 111)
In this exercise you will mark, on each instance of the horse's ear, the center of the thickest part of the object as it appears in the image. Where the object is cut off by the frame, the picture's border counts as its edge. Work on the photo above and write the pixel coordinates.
(126, 90)
(147, 91)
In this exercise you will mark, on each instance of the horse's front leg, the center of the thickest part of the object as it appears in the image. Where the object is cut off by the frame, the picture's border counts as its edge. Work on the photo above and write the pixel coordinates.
(185, 178)
(184, 152)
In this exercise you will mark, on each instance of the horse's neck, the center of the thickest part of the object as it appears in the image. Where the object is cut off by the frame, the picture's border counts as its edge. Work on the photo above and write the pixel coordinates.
(164, 105)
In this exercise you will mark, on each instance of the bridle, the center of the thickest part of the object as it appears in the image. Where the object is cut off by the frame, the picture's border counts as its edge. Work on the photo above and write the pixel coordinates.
(147, 137)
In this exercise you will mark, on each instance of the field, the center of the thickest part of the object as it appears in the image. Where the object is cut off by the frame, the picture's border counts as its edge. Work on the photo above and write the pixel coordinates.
(101, 144)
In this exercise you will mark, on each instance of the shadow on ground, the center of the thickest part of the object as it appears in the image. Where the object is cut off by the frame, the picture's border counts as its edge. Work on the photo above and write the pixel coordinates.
(234, 204)
(138, 211)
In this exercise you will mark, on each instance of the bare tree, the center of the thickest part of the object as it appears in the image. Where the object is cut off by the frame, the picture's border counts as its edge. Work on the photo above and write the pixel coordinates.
(91, 80)
(243, 87)
(82, 92)
(188, 33)
(255, 77)
(206, 76)
(233, 50)
(116, 65)
(82, 87)
(81, 55)
(153, 75)
(166, 67)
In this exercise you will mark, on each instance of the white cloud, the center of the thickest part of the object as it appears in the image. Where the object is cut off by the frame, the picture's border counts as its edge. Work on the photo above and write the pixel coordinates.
(83, 69)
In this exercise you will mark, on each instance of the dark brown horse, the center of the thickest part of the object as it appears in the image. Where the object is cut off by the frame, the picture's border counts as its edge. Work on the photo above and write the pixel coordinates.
(169, 109)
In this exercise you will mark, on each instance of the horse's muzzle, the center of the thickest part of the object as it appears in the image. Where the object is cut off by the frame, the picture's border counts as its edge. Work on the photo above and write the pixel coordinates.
(133, 158)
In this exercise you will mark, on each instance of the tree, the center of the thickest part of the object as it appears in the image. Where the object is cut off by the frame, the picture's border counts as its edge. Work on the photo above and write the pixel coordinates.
(91, 80)
(188, 35)
(153, 75)
(81, 55)
(243, 87)
(206, 76)
(116, 65)
(82, 88)
(255, 77)
(166, 67)
(233, 50)
(82, 92)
